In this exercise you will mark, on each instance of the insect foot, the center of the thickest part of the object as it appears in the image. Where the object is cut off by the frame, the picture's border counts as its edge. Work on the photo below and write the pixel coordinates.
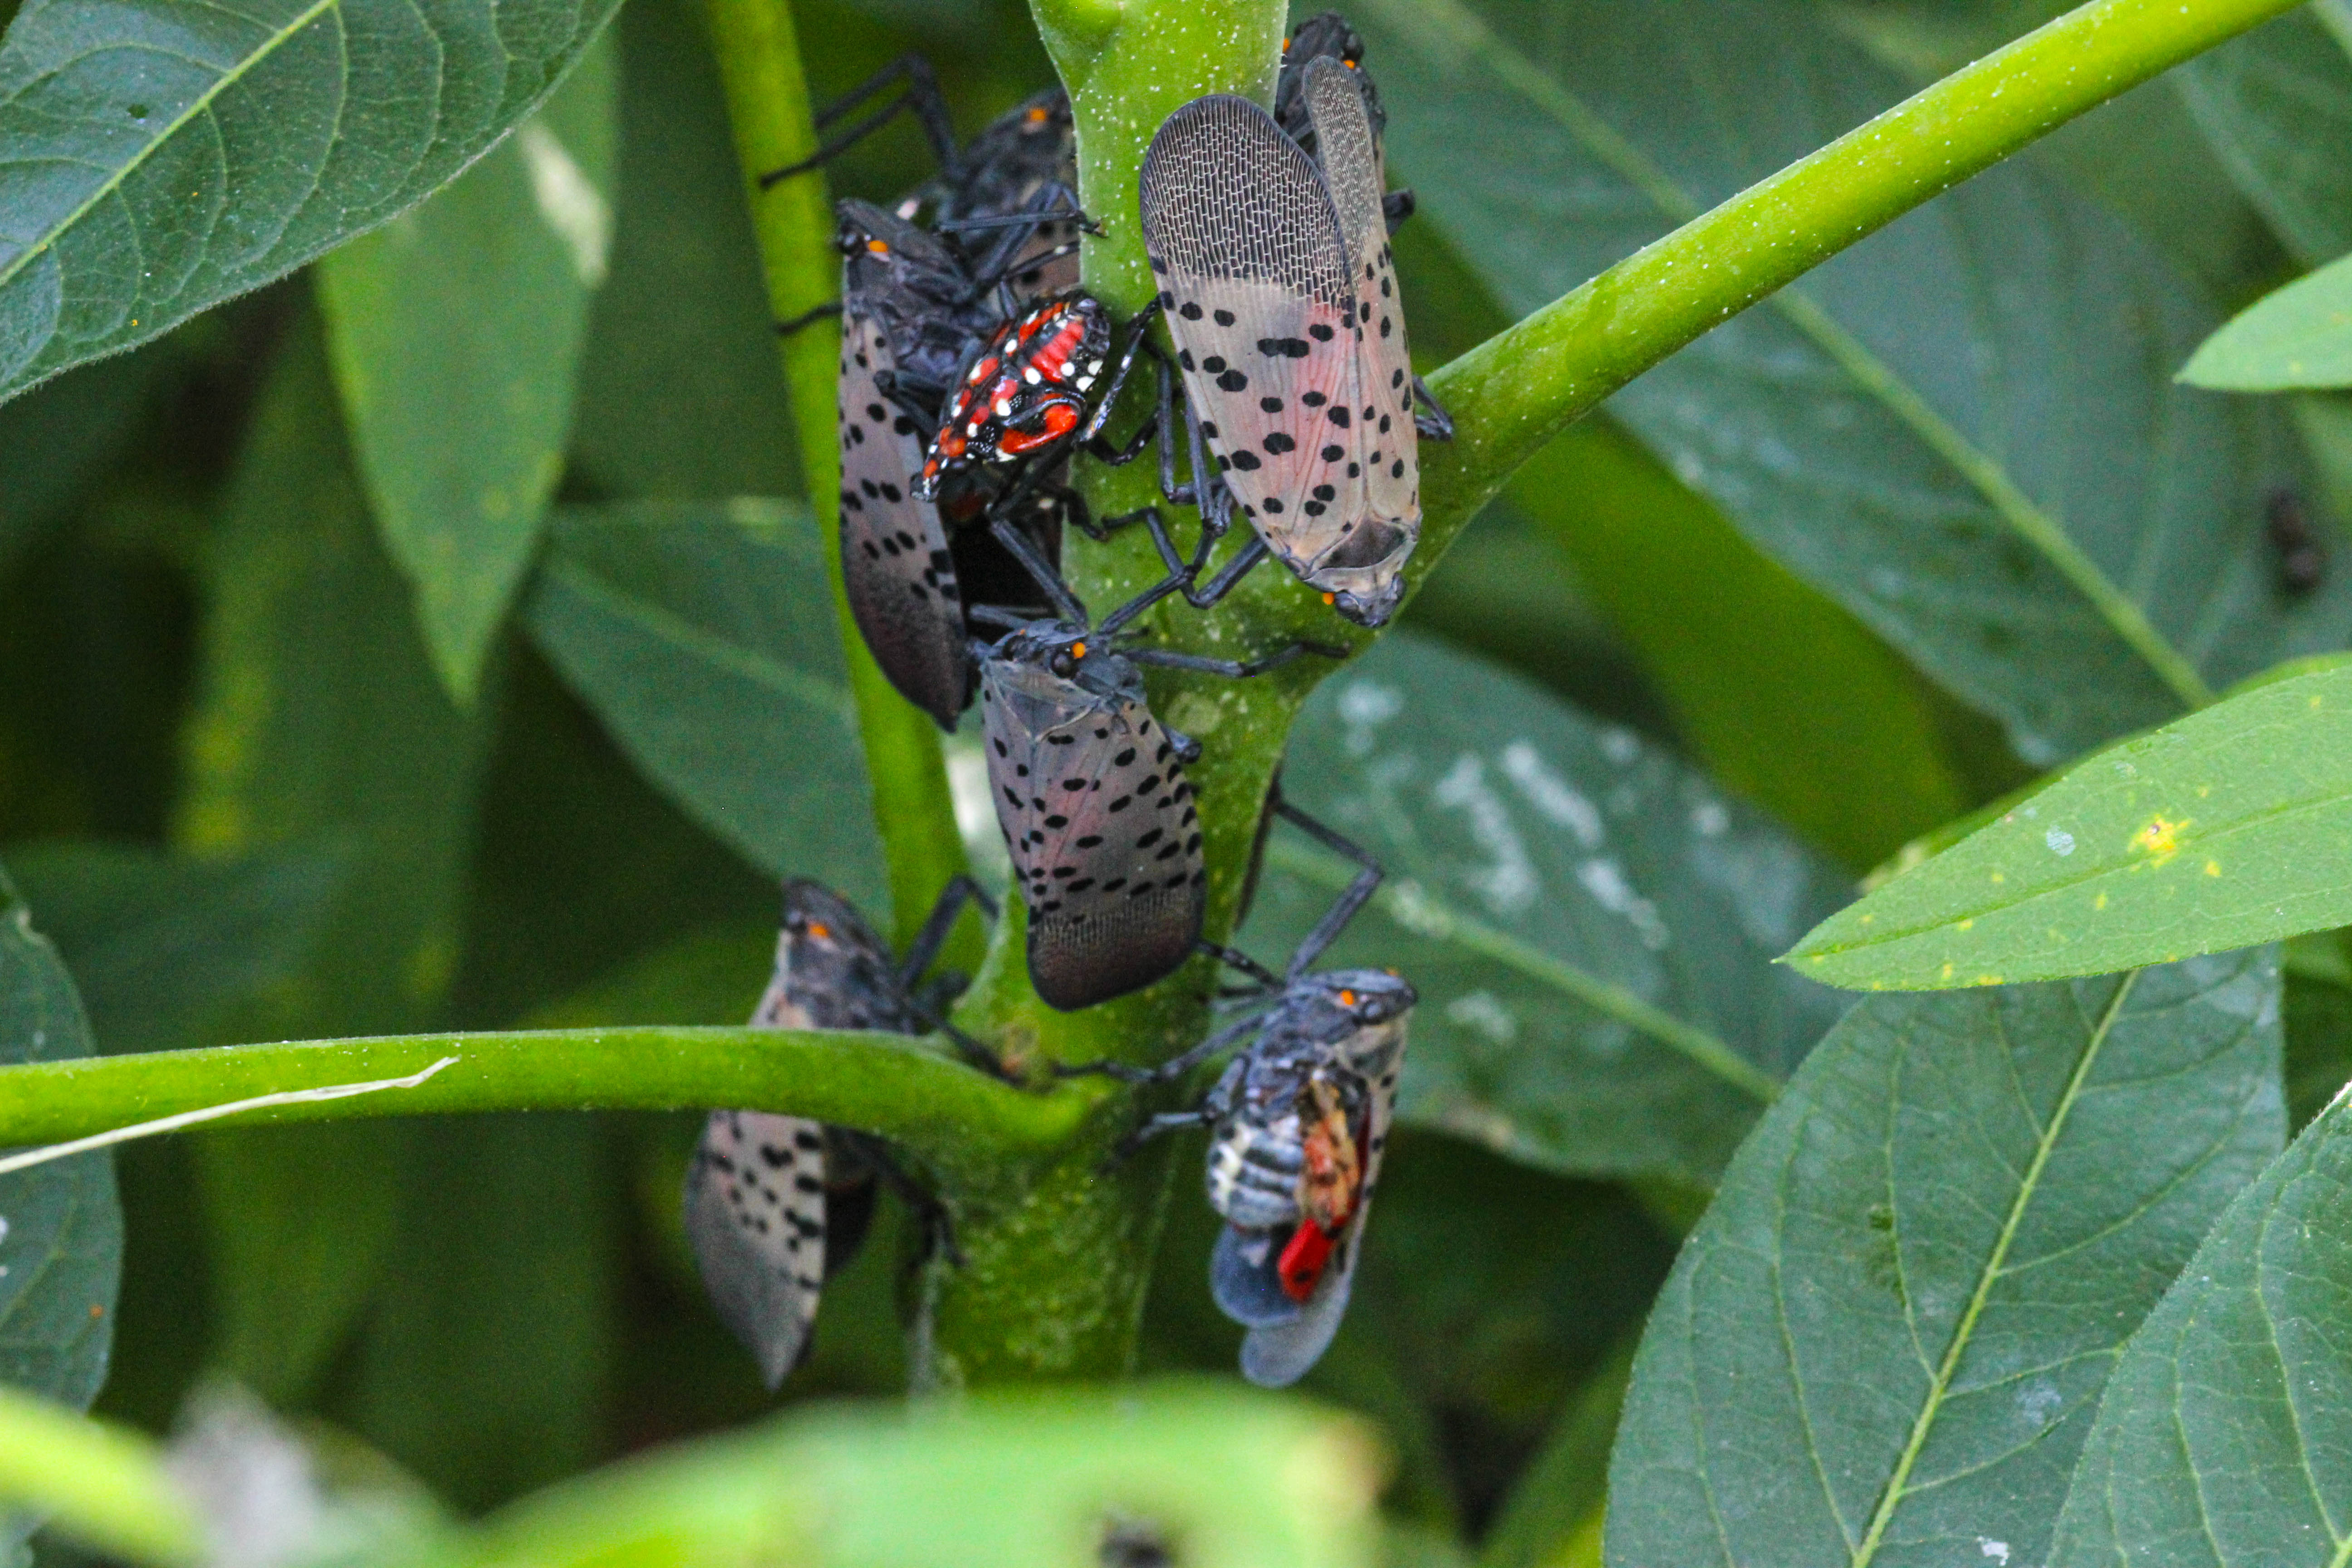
(1280, 291)
(776, 1205)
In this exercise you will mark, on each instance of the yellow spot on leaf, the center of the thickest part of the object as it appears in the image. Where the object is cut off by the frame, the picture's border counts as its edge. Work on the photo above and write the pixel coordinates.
(2212, 868)
(2001, 877)
(1967, 923)
(1946, 975)
(2160, 839)
(2204, 789)
(2100, 902)
(1988, 979)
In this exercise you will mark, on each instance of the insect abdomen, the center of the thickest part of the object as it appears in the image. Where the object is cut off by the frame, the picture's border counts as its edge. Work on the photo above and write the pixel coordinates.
(1253, 1173)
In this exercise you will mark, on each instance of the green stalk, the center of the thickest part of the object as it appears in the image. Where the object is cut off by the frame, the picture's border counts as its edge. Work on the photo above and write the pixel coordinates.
(963, 1123)
(1515, 391)
(768, 108)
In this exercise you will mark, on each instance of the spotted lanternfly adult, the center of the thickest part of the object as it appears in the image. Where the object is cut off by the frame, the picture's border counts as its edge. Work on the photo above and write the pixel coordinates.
(911, 314)
(1299, 1123)
(1091, 796)
(1279, 289)
(775, 1204)
(1327, 35)
(2299, 554)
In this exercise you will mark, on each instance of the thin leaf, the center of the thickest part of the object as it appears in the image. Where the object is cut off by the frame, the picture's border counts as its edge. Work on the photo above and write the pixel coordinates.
(1886, 1341)
(2221, 1439)
(456, 333)
(1959, 429)
(159, 156)
(1587, 921)
(60, 1224)
(674, 402)
(159, 946)
(2277, 106)
(2300, 337)
(318, 716)
(2219, 831)
(702, 636)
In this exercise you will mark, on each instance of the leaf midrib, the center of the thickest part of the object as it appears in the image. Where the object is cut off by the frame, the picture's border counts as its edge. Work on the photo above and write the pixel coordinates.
(2028, 1186)
(2018, 510)
(202, 103)
(1706, 1051)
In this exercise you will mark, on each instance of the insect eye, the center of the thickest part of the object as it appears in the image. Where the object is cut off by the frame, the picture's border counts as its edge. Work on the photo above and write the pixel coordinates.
(1062, 664)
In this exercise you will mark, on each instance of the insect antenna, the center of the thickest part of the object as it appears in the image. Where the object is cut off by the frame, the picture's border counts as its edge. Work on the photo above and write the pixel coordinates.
(1335, 920)
(921, 98)
(960, 891)
(1018, 545)
(808, 317)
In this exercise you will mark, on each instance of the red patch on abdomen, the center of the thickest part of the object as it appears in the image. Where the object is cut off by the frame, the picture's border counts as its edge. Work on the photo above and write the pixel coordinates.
(1300, 1267)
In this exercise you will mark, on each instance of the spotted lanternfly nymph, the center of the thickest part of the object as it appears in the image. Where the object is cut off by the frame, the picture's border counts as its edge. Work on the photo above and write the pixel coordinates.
(1091, 796)
(911, 314)
(1279, 289)
(2299, 553)
(1029, 392)
(1297, 1124)
(775, 1204)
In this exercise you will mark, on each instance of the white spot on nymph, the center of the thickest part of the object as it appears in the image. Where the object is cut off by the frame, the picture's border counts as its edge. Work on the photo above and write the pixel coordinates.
(1508, 884)
(978, 371)
(1605, 881)
(1550, 795)
(567, 200)
(1085, 381)
(1003, 408)
(1484, 1012)
(1031, 375)
(1996, 1550)
(2060, 842)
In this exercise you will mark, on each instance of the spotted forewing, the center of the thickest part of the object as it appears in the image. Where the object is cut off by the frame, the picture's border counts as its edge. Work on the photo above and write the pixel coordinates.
(1280, 294)
(1105, 839)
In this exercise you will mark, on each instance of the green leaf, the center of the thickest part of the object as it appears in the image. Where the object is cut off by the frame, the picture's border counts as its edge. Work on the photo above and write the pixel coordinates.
(486, 1367)
(105, 1484)
(1886, 1341)
(1554, 1511)
(455, 334)
(702, 636)
(159, 946)
(1743, 651)
(675, 402)
(317, 717)
(57, 441)
(2300, 337)
(2219, 831)
(60, 1224)
(2220, 1440)
(2277, 106)
(1238, 1478)
(1959, 429)
(223, 146)
(1589, 923)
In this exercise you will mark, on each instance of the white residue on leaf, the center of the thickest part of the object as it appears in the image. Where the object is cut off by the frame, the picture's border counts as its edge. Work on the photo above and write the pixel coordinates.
(2060, 842)
(1484, 1012)
(1410, 905)
(569, 202)
(4, 1227)
(1551, 795)
(1996, 1550)
(1605, 881)
(1619, 746)
(1364, 707)
(1508, 885)
(1709, 819)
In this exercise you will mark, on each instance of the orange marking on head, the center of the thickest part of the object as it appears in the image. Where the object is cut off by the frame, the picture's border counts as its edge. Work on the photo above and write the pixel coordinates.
(1347, 998)
(877, 248)
(1036, 117)
(1078, 650)
(820, 930)
(1330, 598)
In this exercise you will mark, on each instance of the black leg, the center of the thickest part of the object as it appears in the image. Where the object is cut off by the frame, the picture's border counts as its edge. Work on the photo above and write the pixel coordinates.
(1018, 544)
(920, 98)
(994, 615)
(961, 889)
(1112, 457)
(1166, 1121)
(809, 317)
(1267, 980)
(1233, 668)
(1335, 920)
(1437, 423)
(1135, 341)
(1175, 1067)
(939, 1230)
(1397, 206)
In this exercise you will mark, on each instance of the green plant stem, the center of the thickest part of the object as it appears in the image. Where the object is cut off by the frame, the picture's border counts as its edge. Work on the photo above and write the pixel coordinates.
(1513, 393)
(962, 1122)
(101, 1484)
(768, 110)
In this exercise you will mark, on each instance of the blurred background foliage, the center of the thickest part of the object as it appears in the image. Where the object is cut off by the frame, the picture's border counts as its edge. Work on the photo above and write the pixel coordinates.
(236, 790)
